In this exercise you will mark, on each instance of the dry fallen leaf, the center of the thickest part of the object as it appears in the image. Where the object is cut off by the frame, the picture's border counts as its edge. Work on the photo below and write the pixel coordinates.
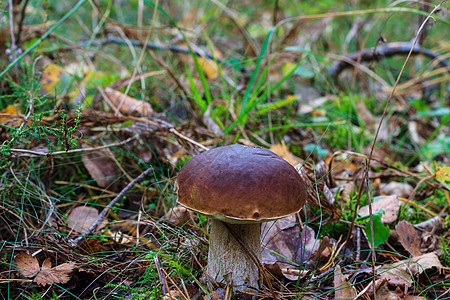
(54, 80)
(81, 218)
(128, 105)
(425, 262)
(383, 292)
(209, 67)
(12, 110)
(29, 267)
(58, 274)
(401, 189)
(431, 225)
(281, 240)
(284, 244)
(174, 294)
(408, 237)
(343, 163)
(27, 264)
(179, 216)
(414, 297)
(101, 168)
(343, 289)
(50, 77)
(402, 273)
(283, 151)
(443, 173)
(389, 204)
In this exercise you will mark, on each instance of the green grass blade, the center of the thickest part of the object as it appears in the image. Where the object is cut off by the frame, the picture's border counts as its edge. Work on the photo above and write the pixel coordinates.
(197, 97)
(262, 54)
(65, 17)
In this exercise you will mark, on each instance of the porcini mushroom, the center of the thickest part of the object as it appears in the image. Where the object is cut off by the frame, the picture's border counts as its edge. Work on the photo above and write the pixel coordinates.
(242, 186)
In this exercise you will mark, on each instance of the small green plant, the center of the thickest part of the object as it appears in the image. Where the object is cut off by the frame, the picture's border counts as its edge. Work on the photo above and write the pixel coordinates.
(136, 293)
(380, 231)
(66, 138)
(36, 130)
(445, 251)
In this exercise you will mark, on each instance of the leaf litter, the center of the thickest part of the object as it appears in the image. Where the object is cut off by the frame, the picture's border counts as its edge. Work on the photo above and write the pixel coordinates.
(43, 275)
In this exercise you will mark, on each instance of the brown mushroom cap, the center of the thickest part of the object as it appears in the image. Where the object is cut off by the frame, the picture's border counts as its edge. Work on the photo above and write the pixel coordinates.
(239, 184)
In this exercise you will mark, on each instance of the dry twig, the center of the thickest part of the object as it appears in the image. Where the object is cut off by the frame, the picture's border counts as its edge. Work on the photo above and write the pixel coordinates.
(106, 210)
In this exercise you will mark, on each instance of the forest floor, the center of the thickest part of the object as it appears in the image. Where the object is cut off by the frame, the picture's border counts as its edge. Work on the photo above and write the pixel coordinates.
(103, 102)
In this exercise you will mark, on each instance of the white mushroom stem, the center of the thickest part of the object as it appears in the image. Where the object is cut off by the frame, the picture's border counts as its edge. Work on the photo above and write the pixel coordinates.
(228, 261)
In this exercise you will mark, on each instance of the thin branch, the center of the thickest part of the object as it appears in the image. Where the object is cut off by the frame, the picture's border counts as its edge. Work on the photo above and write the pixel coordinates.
(172, 130)
(74, 150)
(22, 18)
(384, 51)
(162, 279)
(106, 210)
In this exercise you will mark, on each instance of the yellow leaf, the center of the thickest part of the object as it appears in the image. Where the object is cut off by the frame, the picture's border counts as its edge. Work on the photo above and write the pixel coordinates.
(319, 113)
(51, 75)
(12, 110)
(287, 68)
(128, 105)
(283, 151)
(443, 173)
(209, 68)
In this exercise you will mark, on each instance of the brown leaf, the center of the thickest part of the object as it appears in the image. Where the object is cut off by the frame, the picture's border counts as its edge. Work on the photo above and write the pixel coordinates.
(208, 66)
(284, 244)
(101, 168)
(414, 297)
(43, 278)
(27, 264)
(174, 294)
(81, 218)
(383, 292)
(29, 267)
(402, 272)
(401, 189)
(281, 240)
(343, 163)
(431, 225)
(283, 151)
(425, 262)
(179, 215)
(343, 289)
(128, 105)
(58, 274)
(89, 246)
(408, 237)
(389, 204)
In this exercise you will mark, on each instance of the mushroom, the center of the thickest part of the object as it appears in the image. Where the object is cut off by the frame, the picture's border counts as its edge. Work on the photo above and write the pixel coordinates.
(243, 187)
